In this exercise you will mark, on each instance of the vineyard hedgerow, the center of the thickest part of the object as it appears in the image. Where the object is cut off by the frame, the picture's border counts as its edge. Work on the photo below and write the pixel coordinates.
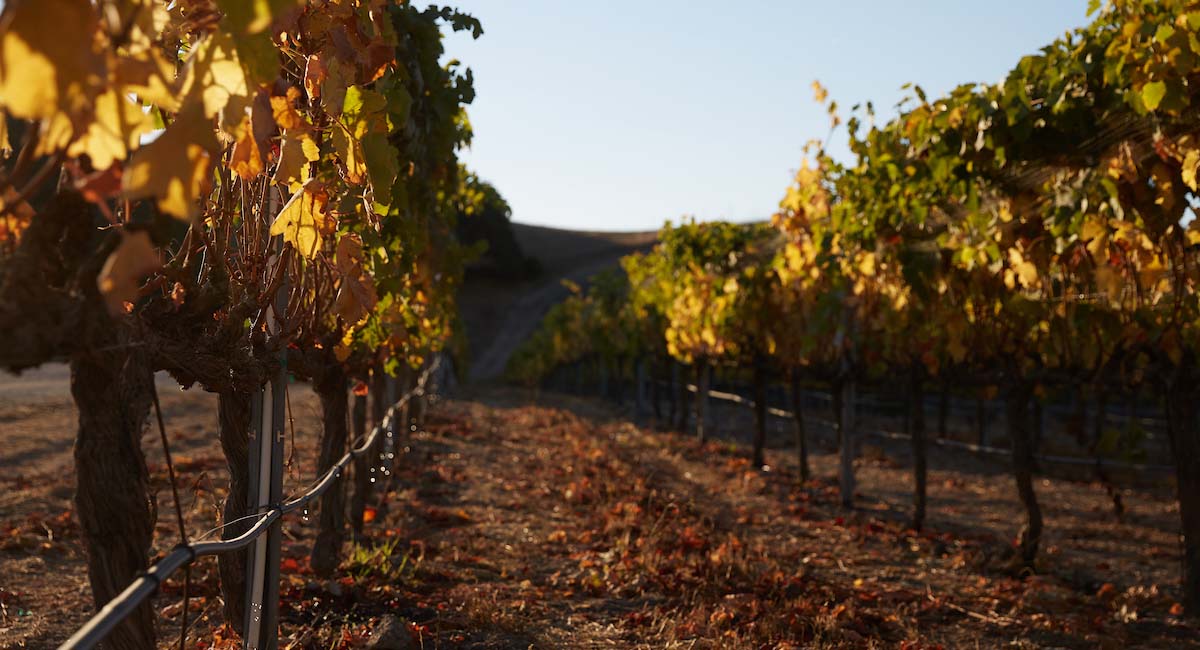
(1032, 235)
(221, 189)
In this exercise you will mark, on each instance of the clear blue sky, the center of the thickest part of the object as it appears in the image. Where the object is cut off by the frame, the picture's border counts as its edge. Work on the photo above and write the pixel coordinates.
(620, 115)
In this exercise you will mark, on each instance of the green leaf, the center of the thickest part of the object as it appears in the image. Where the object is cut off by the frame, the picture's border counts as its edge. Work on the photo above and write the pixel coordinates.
(361, 110)
(383, 165)
(1153, 93)
(399, 103)
(362, 114)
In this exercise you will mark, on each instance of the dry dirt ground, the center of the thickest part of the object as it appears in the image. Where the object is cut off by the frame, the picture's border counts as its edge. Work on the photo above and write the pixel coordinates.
(521, 521)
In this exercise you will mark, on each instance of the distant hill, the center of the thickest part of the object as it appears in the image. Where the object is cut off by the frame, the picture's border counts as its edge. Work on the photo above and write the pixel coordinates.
(561, 251)
(500, 314)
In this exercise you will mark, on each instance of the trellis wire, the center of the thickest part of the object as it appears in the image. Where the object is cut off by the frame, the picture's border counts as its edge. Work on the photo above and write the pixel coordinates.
(144, 586)
(965, 446)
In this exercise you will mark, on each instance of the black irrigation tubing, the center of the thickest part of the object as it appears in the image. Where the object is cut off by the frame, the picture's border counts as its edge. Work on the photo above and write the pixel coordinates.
(144, 586)
(966, 446)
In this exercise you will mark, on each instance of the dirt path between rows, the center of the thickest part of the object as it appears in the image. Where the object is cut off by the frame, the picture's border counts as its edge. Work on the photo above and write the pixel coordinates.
(544, 521)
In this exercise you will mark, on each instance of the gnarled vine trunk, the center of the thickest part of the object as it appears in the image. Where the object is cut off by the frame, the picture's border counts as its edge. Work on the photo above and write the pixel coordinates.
(115, 509)
(684, 376)
(1185, 447)
(981, 436)
(672, 392)
(1021, 436)
(362, 482)
(1098, 424)
(843, 413)
(760, 413)
(919, 446)
(943, 409)
(703, 376)
(50, 306)
(801, 438)
(331, 388)
(233, 411)
(655, 396)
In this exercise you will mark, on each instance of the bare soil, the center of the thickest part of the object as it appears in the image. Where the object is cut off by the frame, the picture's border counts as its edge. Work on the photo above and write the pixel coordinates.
(520, 520)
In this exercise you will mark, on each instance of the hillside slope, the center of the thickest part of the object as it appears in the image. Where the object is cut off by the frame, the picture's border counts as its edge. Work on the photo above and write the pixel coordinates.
(500, 315)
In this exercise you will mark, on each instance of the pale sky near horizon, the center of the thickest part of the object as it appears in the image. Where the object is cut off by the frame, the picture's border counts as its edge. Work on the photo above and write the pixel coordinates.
(620, 115)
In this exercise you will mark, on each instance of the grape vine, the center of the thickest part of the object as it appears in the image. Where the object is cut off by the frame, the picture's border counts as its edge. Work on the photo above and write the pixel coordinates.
(1023, 237)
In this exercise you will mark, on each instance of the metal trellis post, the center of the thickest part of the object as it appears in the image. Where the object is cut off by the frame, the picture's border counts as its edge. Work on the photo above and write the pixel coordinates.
(268, 414)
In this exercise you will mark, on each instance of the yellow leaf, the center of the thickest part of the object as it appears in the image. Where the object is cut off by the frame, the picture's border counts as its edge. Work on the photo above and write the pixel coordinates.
(251, 139)
(54, 134)
(1010, 279)
(175, 168)
(118, 126)
(121, 278)
(214, 75)
(866, 264)
(1095, 233)
(49, 62)
(1026, 272)
(1005, 210)
(303, 221)
(819, 92)
(356, 293)
(1191, 164)
(1121, 165)
(1093, 229)
(147, 21)
(349, 151)
(297, 150)
(245, 159)
(150, 77)
(284, 110)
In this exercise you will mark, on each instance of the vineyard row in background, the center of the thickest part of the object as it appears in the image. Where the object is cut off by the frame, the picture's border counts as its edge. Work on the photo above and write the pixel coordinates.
(1131, 436)
(1032, 240)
